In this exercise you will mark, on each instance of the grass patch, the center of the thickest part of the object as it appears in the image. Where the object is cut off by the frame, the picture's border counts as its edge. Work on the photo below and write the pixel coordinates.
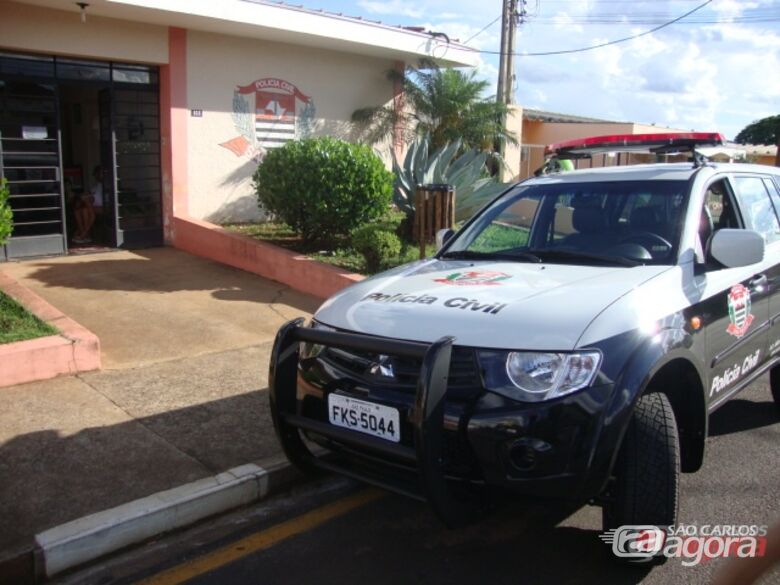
(279, 234)
(338, 253)
(18, 324)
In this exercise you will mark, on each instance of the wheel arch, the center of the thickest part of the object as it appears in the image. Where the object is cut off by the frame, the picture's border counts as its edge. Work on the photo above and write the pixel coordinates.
(680, 381)
(655, 367)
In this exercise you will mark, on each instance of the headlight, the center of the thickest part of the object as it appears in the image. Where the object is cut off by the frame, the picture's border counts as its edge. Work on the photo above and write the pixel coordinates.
(311, 350)
(537, 376)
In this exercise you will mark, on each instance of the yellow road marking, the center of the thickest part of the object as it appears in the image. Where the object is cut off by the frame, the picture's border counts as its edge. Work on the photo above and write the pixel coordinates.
(261, 540)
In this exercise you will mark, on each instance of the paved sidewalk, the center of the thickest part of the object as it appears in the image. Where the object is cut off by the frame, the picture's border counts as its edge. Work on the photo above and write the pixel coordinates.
(183, 394)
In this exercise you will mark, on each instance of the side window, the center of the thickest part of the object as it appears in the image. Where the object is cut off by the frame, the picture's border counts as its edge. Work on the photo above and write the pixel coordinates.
(774, 195)
(718, 212)
(720, 207)
(757, 208)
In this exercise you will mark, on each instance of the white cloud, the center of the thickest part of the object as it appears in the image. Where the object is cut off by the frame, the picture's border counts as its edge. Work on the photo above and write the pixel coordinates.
(757, 39)
(489, 73)
(564, 20)
(707, 77)
(733, 8)
(718, 76)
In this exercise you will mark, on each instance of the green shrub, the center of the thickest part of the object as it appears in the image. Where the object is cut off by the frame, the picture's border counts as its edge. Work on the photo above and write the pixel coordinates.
(323, 187)
(6, 216)
(376, 244)
(391, 221)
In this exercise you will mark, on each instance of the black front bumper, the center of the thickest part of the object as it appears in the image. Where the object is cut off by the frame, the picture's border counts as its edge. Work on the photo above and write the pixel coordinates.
(541, 450)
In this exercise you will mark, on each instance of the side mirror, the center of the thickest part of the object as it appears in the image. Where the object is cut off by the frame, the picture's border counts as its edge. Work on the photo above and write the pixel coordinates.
(736, 248)
(443, 236)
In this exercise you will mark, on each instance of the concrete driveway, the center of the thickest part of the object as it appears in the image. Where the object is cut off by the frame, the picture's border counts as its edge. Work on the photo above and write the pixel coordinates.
(182, 396)
(160, 304)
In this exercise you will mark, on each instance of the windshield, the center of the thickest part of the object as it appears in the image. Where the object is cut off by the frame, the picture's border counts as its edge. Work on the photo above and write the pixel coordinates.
(618, 222)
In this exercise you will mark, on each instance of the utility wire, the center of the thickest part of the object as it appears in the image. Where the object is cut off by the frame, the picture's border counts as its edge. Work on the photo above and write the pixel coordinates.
(650, 21)
(654, 18)
(614, 1)
(600, 45)
(483, 29)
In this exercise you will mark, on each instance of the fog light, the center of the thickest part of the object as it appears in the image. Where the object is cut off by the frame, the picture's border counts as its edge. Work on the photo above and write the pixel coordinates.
(527, 453)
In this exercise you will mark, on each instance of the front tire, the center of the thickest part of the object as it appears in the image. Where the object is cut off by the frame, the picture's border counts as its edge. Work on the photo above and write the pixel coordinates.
(646, 485)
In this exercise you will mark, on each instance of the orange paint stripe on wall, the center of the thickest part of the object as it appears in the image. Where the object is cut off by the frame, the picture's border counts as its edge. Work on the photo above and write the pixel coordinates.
(173, 130)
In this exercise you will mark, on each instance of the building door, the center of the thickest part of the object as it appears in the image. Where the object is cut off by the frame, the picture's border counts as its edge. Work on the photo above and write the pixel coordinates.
(108, 168)
(30, 162)
(136, 146)
(35, 90)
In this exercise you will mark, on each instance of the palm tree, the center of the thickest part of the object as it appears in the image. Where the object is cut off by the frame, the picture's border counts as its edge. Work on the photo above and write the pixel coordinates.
(446, 104)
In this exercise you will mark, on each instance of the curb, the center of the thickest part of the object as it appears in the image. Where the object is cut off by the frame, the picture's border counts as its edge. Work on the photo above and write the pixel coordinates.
(71, 350)
(85, 539)
(295, 270)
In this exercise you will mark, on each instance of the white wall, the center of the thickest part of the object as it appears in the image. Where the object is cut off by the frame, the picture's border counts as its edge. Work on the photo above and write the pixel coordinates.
(41, 30)
(220, 186)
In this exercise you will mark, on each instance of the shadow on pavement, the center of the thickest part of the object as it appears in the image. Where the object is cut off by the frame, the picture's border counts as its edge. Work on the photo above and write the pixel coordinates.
(394, 540)
(739, 415)
(47, 477)
(164, 270)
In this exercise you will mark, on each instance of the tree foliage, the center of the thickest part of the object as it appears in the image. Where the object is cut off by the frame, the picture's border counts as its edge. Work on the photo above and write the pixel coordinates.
(323, 187)
(446, 104)
(763, 131)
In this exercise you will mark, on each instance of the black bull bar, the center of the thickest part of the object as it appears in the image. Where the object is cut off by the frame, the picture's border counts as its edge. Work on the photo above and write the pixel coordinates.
(427, 416)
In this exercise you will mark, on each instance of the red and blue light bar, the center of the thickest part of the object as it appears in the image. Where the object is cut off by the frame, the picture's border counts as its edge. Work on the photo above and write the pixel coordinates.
(662, 142)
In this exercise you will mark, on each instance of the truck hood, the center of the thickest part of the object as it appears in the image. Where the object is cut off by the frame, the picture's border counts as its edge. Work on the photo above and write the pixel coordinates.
(483, 303)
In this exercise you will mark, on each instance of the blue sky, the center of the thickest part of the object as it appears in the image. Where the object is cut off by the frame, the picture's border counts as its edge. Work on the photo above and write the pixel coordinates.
(720, 70)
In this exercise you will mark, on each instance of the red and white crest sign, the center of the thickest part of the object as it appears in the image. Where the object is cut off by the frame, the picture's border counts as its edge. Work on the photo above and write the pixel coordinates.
(267, 113)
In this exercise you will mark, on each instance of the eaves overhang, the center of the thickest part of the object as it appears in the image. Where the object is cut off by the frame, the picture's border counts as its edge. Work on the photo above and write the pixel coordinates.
(278, 22)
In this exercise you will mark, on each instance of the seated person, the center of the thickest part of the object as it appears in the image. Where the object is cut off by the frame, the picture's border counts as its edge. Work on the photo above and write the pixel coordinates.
(87, 207)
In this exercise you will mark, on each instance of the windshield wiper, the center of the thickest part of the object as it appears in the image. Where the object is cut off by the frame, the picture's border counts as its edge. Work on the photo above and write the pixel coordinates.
(516, 256)
(577, 254)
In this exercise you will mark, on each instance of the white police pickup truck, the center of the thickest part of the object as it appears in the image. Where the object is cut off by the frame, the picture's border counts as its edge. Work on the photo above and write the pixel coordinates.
(569, 341)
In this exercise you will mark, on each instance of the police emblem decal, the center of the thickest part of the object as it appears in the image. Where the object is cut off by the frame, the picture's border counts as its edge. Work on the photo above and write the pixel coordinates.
(739, 311)
(474, 278)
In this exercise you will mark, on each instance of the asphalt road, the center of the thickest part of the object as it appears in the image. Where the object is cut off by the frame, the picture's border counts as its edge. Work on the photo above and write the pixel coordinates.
(345, 534)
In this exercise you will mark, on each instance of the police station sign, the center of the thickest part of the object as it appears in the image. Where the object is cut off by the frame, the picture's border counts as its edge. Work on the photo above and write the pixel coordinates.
(268, 113)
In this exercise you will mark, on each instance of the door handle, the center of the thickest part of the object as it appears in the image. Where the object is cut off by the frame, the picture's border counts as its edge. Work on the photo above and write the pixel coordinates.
(758, 283)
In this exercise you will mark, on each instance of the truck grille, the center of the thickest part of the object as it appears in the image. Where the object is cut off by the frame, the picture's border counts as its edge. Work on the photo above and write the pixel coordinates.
(373, 368)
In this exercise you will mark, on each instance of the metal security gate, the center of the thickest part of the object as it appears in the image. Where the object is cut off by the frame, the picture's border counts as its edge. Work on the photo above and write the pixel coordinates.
(30, 162)
(136, 151)
(31, 151)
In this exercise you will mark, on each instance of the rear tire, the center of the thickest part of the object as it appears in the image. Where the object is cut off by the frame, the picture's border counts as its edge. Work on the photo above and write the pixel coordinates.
(646, 481)
(774, 384)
